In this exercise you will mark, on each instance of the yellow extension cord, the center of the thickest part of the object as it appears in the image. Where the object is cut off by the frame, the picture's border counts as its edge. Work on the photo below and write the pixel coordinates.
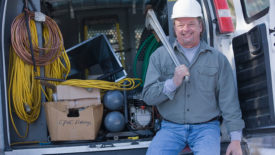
(24, 91)
(57, 69)
(125, 84)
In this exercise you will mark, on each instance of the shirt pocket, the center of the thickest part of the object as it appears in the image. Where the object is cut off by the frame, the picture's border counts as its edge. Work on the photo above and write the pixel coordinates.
(207, 78)
(168, 72)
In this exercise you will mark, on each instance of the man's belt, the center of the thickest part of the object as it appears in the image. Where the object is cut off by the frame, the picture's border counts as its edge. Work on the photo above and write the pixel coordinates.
(213, 119)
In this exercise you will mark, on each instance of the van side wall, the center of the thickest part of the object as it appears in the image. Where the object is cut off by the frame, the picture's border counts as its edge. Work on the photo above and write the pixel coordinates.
(2, 86)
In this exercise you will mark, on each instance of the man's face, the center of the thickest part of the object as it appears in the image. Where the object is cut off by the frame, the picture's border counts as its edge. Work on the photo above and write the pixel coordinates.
(188, 31)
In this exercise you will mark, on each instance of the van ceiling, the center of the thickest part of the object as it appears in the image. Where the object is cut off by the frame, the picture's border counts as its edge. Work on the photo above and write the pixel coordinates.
(59, 7)
(62, 4)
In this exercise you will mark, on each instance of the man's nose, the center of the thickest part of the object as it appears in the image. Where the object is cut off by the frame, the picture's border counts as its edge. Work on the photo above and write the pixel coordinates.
(185, 27)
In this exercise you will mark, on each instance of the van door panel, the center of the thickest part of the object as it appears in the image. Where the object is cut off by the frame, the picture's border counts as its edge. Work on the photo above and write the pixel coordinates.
(254, 79)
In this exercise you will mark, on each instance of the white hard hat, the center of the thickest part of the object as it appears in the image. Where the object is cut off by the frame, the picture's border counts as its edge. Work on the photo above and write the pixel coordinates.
(186, 8)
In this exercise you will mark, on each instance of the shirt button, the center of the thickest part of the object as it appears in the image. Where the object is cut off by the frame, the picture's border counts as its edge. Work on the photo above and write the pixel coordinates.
(188, 95)
(187, 109)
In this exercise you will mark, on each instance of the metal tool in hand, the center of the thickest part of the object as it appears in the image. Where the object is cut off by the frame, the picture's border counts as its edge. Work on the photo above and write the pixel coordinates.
(153, 23)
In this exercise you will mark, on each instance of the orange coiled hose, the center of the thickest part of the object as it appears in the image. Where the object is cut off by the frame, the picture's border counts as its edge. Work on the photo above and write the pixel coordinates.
(19, 39)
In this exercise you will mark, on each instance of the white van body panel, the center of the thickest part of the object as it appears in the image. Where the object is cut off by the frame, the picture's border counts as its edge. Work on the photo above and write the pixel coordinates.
(263, 143)
(242, 27)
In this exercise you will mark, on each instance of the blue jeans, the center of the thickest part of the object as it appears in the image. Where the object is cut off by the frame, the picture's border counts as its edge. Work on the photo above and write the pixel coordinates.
(171, 139)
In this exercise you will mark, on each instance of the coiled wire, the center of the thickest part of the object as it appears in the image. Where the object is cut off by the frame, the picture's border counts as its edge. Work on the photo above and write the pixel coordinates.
(124, 84)
(20, 42)
(24, 90)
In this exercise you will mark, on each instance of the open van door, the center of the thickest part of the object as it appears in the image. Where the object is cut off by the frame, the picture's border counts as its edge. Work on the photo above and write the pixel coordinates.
(254, 52)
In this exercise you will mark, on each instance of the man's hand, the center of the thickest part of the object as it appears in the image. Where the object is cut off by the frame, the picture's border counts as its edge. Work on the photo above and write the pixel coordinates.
(234, 148)
(180, 72)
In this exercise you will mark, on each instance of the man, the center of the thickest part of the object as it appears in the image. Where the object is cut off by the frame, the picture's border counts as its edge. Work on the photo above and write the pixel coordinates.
(191, 109)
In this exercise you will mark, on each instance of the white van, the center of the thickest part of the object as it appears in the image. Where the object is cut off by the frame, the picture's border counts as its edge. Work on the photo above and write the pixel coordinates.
(249, 46)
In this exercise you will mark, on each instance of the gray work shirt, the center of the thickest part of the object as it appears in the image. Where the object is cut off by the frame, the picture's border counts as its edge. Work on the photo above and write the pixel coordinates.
(210, 92)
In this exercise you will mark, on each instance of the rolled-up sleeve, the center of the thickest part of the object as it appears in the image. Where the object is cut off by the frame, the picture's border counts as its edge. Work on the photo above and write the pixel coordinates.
(152, 93)
(228, 97)
(169, 88)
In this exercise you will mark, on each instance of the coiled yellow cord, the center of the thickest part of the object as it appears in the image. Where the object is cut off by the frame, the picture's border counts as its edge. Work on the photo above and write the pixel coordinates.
(24, 91)
(56, 69)
(125, 84)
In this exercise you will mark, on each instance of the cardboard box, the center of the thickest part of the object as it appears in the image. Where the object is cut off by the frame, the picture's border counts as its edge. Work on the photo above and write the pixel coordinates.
(64, 92)
(82, 102)
(84, 124)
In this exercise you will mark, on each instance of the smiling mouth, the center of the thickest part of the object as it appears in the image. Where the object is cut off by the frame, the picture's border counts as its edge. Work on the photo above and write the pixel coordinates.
(187, 35)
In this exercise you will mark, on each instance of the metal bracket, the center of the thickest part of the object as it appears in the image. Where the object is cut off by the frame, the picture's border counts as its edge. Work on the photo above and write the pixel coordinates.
(272, 31)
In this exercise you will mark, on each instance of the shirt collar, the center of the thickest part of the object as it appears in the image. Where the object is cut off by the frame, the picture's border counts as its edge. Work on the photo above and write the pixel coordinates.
(203, 46)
